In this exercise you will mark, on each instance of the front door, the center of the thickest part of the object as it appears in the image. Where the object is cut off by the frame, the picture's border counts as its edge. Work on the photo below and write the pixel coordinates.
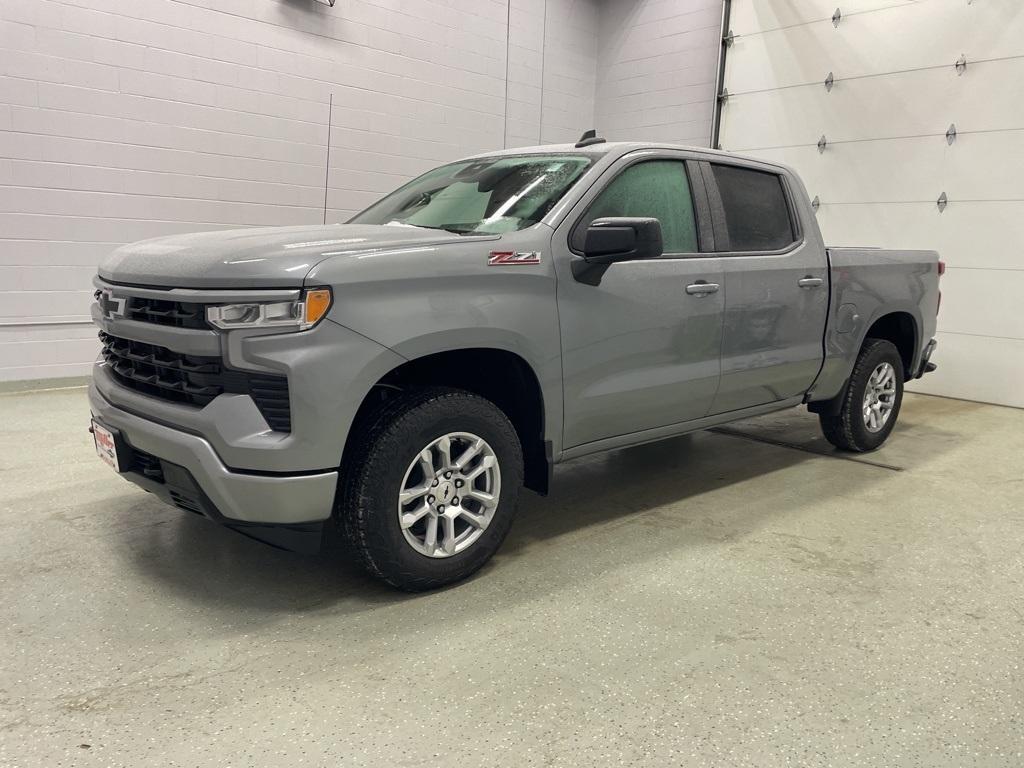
(639, 351)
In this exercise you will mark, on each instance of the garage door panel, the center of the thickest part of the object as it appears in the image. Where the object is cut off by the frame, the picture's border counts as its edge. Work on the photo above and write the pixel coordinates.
(757, 16)
(908, 226)
(887, 161)
(982, 235)
(986, 166)
(987, 96)
(968, 236)
(808, 52)
(983, 302)
(904, 104)
(976, 368)
(850, 173)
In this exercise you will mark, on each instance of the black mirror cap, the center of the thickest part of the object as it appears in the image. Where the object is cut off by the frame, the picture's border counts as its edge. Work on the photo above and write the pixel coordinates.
(612, 239)
(615, 238)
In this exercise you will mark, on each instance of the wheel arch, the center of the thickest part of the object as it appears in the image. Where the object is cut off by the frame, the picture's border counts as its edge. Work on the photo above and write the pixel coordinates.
(502, 376)
(902, 330)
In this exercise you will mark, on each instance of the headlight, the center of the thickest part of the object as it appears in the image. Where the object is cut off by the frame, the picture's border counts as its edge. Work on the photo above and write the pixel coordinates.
(300, 315)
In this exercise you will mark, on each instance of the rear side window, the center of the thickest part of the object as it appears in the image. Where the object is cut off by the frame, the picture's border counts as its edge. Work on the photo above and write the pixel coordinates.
(756, 212)
(657, 189)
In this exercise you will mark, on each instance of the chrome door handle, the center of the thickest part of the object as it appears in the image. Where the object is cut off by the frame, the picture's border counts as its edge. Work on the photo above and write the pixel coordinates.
(809, 282)
(701, 288)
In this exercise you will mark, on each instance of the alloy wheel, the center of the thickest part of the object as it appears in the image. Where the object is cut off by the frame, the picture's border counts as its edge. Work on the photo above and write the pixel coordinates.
(879, 397)
(449, 494)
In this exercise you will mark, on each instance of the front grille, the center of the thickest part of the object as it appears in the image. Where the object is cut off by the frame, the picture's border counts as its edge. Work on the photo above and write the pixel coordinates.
(179, 314)
(162, 312)
(193, 380)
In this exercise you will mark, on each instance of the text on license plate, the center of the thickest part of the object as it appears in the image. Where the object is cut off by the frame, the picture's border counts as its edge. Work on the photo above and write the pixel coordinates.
(106, 448)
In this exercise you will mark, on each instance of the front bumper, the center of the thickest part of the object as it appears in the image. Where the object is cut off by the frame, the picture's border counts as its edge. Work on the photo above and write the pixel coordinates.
(239, 499)
(329, 370)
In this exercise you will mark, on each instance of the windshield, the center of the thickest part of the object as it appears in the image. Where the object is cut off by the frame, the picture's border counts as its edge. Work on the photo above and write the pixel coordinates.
(491, 195)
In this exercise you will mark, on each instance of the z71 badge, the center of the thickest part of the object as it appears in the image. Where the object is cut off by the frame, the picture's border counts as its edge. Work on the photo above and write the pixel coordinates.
(510, 258)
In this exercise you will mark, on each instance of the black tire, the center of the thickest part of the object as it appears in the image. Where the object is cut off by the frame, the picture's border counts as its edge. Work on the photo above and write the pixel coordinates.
(843, 423)
(382, 450)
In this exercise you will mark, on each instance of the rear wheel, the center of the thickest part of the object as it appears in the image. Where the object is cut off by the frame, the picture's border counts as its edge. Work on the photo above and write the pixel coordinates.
(431, 487)
(866, 411)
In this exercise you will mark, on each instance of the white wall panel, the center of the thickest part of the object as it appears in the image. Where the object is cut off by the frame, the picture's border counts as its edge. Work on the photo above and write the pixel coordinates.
(904, 225)
(976, 235)
(122, 121)
(849, 173)
(983, 368)
(921, 102)
(752, 16)
(982, 235)
(983, 302)
(657, 69)
(887, 159)
(987, 166)
(930, 33)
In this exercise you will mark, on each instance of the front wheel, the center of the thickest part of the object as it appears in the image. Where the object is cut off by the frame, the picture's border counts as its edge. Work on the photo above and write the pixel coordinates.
(432, 487)
(867, 410)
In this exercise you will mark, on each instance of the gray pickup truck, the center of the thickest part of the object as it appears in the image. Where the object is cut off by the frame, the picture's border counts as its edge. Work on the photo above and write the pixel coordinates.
(400, 377)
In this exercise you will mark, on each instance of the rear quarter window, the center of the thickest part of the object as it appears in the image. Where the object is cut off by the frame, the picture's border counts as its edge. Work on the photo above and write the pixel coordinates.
(757, 216)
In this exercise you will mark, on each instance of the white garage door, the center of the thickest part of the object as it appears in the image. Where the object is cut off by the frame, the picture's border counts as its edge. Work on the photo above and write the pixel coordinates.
(886, 158)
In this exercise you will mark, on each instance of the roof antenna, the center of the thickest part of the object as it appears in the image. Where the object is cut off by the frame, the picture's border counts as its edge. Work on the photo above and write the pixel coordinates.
(588, 138)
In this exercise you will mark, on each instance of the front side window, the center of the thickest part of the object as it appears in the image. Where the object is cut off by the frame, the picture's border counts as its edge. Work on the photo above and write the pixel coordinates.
(756, 211)
(657, 189)
(491, 195)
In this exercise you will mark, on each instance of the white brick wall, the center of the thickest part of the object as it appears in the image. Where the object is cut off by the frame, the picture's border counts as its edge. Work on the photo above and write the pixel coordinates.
(552, 69)
(657, 64)
(126, 120)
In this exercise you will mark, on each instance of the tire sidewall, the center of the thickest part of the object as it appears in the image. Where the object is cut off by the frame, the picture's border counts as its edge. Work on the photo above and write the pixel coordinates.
(881, 352)
(396, 448)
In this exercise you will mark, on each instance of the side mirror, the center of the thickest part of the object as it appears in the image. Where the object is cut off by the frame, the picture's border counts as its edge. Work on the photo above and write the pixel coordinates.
(614, 239)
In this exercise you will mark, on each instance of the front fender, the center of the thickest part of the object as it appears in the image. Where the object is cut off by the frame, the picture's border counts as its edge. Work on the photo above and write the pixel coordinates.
(445, 299)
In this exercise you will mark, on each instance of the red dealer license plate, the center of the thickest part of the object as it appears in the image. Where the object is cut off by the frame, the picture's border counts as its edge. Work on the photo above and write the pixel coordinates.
(106, 448)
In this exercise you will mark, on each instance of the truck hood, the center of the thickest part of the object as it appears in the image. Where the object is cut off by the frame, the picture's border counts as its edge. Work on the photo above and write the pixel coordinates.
(266, 257)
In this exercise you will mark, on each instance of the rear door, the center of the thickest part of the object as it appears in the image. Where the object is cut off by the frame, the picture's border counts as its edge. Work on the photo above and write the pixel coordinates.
(640, 351)
(776, 286)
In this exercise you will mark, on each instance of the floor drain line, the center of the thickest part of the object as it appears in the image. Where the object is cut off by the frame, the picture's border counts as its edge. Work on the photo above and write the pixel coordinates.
(794, 446)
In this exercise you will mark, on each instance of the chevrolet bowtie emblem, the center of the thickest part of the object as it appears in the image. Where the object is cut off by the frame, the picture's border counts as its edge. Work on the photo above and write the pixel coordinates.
(111, 306)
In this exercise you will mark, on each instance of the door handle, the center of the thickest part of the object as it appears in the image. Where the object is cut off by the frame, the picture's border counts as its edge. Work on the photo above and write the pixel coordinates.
(809, 282)
(700, 288)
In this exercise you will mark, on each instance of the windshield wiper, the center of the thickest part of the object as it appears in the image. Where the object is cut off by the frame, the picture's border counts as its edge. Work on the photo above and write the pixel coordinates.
(453, 230)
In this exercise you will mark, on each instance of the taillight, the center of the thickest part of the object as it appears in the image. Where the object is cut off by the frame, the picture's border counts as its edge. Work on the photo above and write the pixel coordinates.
(942, 271)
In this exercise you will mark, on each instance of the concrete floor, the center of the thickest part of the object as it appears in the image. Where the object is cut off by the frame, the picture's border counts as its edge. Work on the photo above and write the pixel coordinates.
(714, 600)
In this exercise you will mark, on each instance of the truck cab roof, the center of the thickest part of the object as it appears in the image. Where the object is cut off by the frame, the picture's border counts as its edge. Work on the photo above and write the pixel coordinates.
(609, 148)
